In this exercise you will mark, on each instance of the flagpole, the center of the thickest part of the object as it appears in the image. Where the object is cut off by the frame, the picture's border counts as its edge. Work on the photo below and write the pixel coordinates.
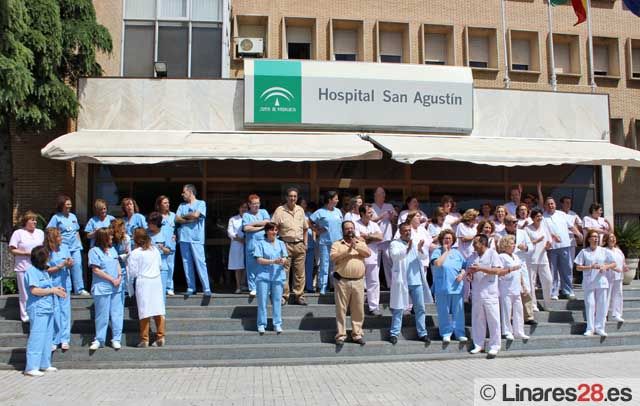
(554, 82)
(592, 81)
(507, 80)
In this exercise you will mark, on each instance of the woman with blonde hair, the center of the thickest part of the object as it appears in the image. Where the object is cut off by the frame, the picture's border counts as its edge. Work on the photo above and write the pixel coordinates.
(144, 267)
(498, 220)
(100, 220)
(615, 276)
(59, 264)
(106, 289)
(465, 232)
(511, 286)
(22, 241)
(122, 245)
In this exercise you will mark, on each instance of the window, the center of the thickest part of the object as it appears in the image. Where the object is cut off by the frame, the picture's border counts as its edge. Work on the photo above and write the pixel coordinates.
(633, 58)
(345, 45)
(435, 48)
(391, 47)
(566, 54)
(250, 26)
(600, 60)
(392, 42)
(606, 60)
(562, 58)
(186, 34)
(299, 38)
(481, 48)
(524, 51)
(616, 130)
(521, 54)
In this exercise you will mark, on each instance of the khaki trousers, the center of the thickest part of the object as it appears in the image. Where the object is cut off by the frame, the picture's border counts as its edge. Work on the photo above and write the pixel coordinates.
(527, 306)
(297, 255)
(349, 294)
(145, 324)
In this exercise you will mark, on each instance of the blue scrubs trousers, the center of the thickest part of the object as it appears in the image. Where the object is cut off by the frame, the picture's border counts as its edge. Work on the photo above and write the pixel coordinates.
(450, 304)
(562, 270)
(193, 255)
(251, 264)
(62, 317)
(39, 342)
(76, 272)
(417, 296)
(309, 262)
(325, 267)
(264, 290)
(164, 278)
(171, 262)
(108, 308)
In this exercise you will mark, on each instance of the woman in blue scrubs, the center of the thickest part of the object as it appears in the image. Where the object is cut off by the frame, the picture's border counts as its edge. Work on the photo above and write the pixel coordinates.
(327, 223)
(446, 266)
(106, 289)
(159, 241)
(271, 255)
(122, 244)
(100, 220)
(169, 231)
(132, 217)
(60, 261)
(40, 306)
(67, 223)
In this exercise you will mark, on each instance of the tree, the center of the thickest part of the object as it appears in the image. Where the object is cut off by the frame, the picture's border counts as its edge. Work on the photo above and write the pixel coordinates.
(45, 46)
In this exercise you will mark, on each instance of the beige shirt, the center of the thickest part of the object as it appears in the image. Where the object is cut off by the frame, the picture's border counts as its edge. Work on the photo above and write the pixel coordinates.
(349, 262)
(292, 224)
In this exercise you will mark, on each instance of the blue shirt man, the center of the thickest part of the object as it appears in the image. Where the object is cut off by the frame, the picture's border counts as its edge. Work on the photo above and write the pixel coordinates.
(191, 216)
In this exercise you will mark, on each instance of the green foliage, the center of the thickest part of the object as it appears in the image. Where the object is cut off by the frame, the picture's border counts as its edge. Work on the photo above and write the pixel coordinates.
(629, 239)
(9, 286)
(46, 46)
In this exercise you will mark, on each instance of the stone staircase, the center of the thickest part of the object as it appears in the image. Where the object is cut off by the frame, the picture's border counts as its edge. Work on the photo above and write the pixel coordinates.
(222, 332)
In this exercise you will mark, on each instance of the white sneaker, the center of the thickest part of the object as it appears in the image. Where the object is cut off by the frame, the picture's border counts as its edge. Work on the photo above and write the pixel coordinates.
(524, 337)
(618, 319)
(252, 293)
(34, 373)
(554, 298)
(463, 339)
(601, 333)
(116, 345)
(476, 350)
(509, 337)
(588, 333)
(535, 309)
(53, 347)
(493, 353)
(94, 345)
(84, 293)
(170, 292)
(50, 369)
(26, 319)
(446, 339)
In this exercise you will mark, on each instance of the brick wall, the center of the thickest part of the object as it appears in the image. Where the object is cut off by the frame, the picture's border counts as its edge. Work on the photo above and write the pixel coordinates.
(37, 180)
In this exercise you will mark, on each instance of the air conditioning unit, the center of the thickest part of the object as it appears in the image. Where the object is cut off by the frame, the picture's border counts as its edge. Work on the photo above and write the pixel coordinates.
(250, 46)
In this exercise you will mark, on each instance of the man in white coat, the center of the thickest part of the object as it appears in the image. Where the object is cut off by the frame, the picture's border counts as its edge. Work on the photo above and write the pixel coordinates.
(407, 279)
(485, 266)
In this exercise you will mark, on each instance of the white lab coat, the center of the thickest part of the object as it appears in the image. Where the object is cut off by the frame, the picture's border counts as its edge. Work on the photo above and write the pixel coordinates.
(144, 267)
(401, 260)
(236, 249)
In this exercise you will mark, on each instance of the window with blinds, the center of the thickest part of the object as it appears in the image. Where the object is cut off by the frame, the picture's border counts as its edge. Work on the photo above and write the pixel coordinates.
(345, 45)
(435, 48)
(390, 46)
(479, 52)
(521, 54)
(600, 59)
(185, 34)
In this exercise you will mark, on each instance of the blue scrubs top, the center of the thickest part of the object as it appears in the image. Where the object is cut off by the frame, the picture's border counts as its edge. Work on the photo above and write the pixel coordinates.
(157, 239)
(60, 278)
(310, 241)
(192, 232)
(250, 239)
(168, 230)
(331, 221)
(108, 263)
(265, 249)
(136, 221)
(68, 227)
(39, 279)
(444, 277)
(121, 248)
(95, 223)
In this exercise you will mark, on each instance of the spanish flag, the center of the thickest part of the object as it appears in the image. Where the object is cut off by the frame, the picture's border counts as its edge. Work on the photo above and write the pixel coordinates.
(579, 7)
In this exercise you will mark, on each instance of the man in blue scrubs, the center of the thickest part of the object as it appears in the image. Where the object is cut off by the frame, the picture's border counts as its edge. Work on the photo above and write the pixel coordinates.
(191, 215)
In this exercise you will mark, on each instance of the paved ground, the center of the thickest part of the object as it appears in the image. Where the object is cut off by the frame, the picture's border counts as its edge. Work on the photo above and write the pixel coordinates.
(401, 383)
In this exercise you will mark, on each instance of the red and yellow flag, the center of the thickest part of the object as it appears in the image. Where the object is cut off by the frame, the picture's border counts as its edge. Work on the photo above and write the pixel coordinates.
(580, 8)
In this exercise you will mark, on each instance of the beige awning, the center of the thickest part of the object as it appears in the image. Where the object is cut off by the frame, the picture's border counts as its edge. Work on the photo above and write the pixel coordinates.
(503, 151)
(120, 147)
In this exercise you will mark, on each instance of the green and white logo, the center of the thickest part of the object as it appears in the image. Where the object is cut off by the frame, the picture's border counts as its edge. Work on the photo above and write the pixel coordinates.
(277, 92)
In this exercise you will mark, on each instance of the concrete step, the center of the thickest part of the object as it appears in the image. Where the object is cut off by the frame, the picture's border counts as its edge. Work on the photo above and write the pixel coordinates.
(578, 304)
(189, 337)
(187, 354)
(628, 291)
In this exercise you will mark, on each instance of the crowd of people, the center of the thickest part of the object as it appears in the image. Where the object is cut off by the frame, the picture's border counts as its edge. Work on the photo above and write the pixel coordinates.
(492, 257)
